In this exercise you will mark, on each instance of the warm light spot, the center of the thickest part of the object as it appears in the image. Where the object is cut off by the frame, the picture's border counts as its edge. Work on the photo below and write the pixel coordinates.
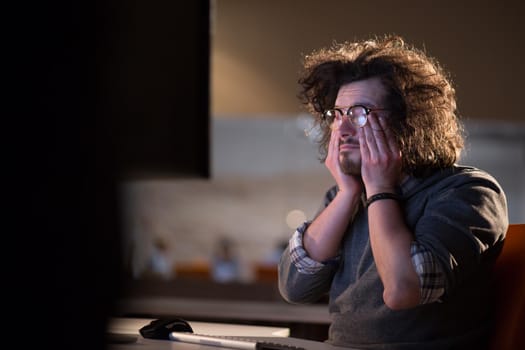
(295, 218)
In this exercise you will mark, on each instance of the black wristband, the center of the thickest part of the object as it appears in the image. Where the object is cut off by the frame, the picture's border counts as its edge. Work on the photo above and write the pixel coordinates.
(382, 195)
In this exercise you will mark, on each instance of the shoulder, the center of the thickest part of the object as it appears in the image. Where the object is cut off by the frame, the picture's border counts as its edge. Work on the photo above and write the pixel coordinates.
(469, 193)
(459, 176)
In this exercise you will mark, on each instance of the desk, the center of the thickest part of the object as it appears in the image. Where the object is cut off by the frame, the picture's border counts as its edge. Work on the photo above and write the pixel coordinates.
(131, 326)
(305, 321)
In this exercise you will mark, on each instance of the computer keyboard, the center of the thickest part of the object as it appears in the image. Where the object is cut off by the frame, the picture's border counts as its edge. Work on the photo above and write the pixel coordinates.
(231, 342)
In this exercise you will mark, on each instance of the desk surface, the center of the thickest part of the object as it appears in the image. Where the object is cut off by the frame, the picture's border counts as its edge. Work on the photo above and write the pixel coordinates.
(130, 326)
(152, 344)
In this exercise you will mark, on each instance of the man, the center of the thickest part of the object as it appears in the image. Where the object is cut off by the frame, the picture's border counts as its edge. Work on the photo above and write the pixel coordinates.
(405, 240)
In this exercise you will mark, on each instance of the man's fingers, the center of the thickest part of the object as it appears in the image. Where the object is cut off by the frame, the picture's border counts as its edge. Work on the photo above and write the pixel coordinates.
(390, 137)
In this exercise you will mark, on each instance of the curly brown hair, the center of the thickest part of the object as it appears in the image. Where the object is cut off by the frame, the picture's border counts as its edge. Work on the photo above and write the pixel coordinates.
(420, 96)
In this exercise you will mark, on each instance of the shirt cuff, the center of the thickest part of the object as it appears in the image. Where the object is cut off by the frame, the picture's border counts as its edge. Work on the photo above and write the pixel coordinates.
(299, 256)
(431, 276)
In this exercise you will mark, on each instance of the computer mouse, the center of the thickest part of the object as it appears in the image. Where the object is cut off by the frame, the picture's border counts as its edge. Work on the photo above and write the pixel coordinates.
(161, 328)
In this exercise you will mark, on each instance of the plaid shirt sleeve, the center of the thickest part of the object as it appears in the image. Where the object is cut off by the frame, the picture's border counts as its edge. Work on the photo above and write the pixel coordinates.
(299, 256)
(431, 276)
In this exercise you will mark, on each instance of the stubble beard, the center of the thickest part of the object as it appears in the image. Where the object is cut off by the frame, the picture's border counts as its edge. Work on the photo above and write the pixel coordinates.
(348, 165)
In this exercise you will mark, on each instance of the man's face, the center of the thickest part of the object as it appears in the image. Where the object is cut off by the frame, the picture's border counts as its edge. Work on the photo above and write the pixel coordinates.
(370, 93)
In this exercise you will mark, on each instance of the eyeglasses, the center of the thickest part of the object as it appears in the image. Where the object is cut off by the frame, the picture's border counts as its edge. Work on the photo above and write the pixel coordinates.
(357, 115)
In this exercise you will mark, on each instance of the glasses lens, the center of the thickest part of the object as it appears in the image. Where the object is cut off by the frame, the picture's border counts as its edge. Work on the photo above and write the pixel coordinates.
(358, 116)
(330, 115)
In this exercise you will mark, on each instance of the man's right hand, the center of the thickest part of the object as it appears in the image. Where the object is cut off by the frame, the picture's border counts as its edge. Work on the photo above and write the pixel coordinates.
(350, 184)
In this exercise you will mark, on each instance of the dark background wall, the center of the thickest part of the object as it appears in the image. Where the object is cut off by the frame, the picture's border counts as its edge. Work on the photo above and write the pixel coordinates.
(153, 82)
(97, 91)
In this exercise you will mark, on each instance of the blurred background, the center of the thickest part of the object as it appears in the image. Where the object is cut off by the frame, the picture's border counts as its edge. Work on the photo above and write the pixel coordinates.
(264, 177)
(193, 168)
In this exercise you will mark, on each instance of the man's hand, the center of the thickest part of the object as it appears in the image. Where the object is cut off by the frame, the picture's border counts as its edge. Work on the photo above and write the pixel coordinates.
(346, 183)
(390, 238)
(322, 239)
(380, 156)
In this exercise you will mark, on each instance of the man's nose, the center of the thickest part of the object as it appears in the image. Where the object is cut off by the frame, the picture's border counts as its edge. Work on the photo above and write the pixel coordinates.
(346, 128)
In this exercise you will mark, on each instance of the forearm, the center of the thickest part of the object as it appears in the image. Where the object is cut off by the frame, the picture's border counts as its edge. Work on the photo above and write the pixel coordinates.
(322, 239)
(390, 240)
(298, 286)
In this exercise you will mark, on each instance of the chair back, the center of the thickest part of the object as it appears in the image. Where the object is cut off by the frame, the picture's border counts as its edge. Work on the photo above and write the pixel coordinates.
(509, 331)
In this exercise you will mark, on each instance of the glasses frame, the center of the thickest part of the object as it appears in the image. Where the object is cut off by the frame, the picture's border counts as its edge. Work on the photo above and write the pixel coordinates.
(348, 114)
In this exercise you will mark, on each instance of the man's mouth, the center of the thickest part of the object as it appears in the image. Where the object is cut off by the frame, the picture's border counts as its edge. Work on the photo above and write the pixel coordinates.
(349, 145)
